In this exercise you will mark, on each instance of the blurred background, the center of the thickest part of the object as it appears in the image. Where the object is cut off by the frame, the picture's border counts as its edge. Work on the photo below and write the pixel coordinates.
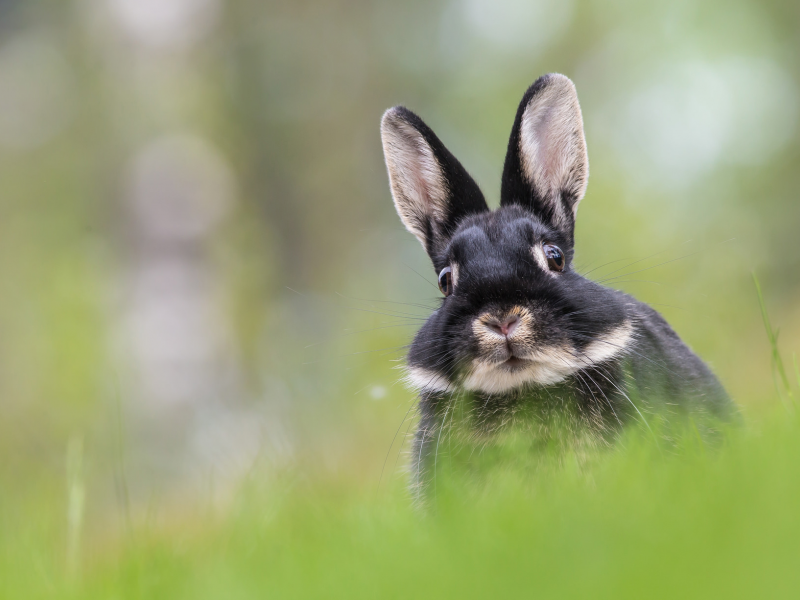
(201, 270)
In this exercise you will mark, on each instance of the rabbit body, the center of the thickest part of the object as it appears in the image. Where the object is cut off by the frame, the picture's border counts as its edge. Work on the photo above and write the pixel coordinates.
(518, 325)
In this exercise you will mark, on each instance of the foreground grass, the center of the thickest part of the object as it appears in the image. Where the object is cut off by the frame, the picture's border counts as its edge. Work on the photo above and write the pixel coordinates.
(631, 522)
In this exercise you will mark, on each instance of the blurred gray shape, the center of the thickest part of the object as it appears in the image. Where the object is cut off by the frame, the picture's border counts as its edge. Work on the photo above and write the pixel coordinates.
(37, 91)
(165, 24)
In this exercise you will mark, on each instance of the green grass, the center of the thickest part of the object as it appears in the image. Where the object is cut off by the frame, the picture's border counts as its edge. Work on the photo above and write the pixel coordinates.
(632, 521)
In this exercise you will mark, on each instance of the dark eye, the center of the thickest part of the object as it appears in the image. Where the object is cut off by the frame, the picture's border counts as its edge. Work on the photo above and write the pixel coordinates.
(555, 257)
(446, 281)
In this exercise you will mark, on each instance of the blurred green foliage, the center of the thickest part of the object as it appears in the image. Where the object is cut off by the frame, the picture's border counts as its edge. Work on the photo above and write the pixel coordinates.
(694, 522)
(202, 277)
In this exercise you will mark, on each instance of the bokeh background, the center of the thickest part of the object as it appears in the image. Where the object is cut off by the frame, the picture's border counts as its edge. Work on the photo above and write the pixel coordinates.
(200, 265)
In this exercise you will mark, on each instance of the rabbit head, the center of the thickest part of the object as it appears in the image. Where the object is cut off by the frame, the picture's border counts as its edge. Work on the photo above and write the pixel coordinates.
(515, 313)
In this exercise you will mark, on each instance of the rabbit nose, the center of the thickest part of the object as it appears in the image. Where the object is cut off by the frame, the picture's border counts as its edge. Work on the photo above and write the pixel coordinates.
(505, 326)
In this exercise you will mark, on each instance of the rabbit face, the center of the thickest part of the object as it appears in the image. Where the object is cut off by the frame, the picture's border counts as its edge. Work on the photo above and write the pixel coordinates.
(515, 313)
(513, 318)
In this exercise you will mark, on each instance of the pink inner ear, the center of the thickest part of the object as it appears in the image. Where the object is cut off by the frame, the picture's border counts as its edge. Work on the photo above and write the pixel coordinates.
(548, 150)
(423, 173)
(418, 187)
(416, 178)
(552, 148)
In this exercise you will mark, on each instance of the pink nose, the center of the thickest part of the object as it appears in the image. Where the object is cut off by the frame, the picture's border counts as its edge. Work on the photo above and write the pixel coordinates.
(505, 326)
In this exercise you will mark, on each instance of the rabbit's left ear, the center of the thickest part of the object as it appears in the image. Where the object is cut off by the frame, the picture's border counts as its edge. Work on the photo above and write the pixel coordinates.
(547, 168)
(432, 192)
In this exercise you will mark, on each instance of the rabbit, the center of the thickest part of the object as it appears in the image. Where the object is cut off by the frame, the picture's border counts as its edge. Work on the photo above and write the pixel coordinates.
(517, 323)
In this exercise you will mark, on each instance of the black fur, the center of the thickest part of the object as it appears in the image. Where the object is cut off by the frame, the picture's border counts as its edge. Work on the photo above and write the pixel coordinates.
(497, 271)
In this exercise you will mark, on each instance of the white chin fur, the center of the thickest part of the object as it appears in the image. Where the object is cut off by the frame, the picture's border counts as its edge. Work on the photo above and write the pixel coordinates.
(495, 379)
(549, 366)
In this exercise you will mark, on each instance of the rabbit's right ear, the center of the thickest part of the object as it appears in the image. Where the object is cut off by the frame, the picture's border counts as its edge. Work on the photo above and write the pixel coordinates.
(432, 192)
(546, 168)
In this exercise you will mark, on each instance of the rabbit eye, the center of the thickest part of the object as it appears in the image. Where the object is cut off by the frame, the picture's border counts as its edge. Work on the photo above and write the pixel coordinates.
(446, 281)
(555, 258)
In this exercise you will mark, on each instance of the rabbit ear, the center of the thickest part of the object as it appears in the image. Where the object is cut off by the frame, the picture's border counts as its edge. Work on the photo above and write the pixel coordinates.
(547, 168)
(432, 192)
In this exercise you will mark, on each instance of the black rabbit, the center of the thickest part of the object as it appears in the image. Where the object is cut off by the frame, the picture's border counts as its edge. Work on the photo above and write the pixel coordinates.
(518, 325)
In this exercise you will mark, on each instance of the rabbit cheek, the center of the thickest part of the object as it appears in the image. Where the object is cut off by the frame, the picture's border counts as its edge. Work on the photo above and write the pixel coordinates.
(421, 379)
(605, 347)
